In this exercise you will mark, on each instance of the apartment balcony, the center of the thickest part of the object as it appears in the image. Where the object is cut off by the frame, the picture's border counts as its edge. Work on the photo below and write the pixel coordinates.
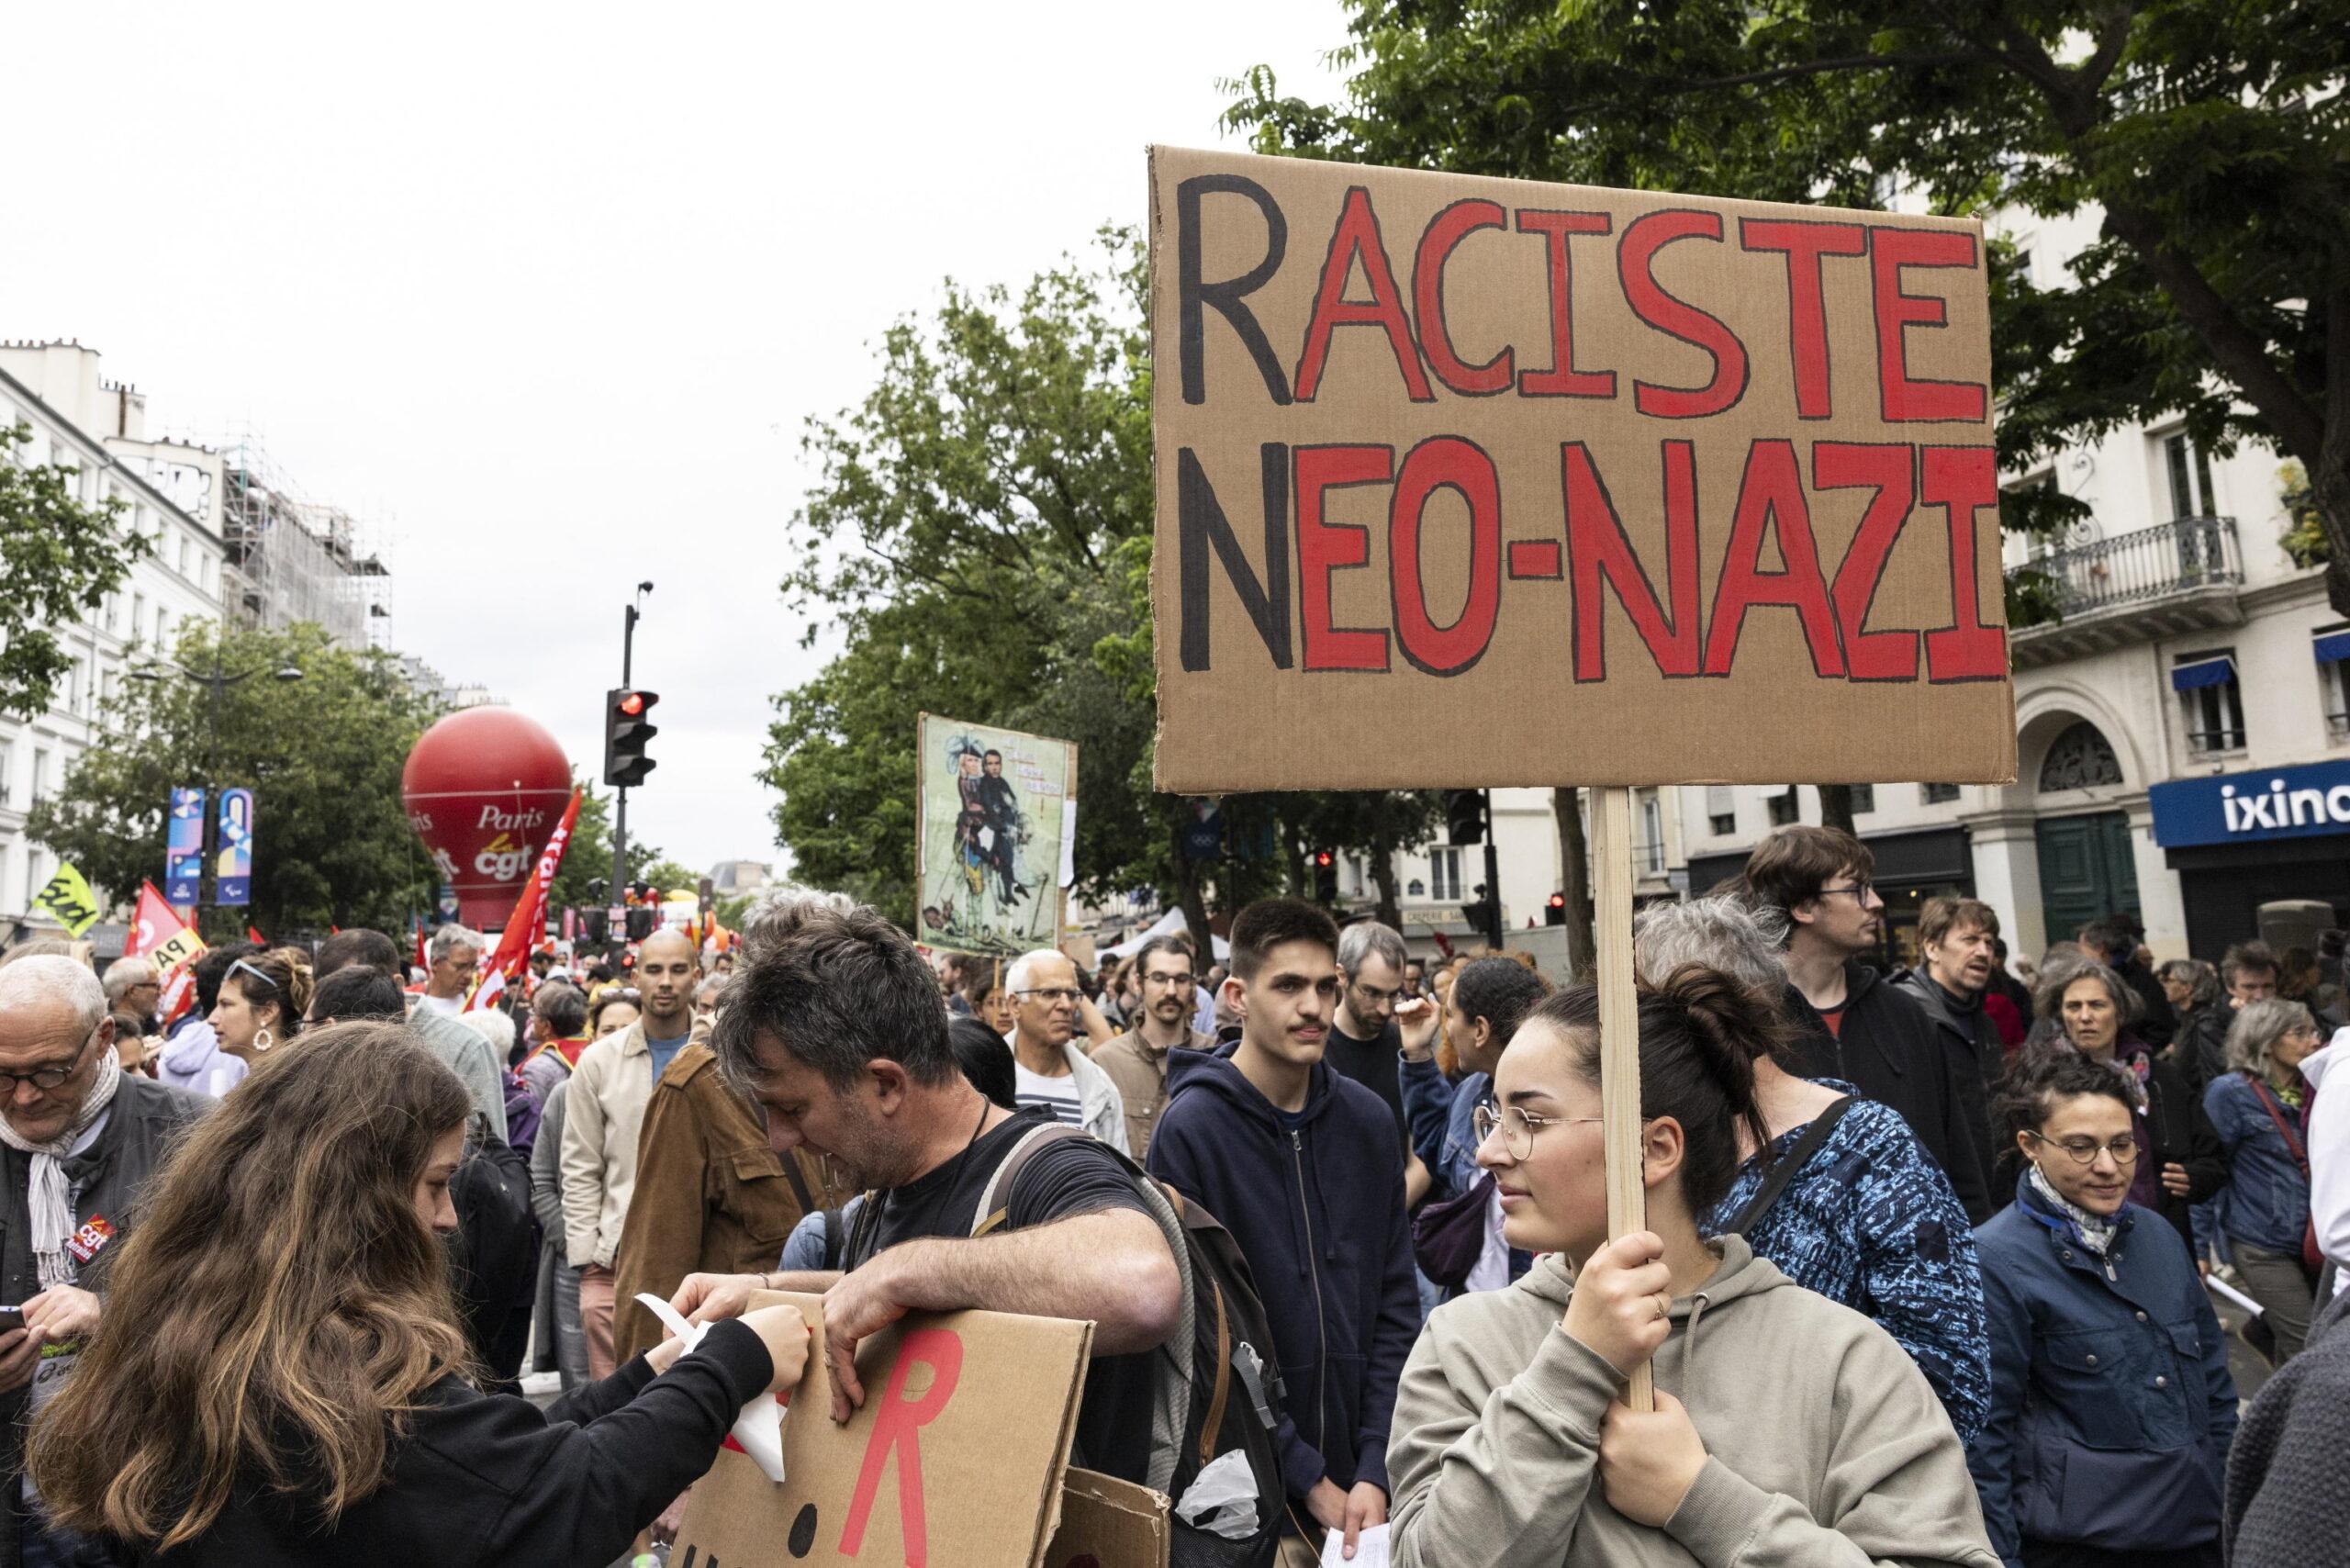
(2179, 577)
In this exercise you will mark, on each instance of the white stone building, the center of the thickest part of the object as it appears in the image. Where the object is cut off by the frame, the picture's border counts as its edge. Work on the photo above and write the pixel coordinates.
(55, 391)
(2188, 662)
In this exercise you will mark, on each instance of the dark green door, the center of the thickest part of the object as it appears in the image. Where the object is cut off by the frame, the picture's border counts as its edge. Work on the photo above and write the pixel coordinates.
(2086, 871)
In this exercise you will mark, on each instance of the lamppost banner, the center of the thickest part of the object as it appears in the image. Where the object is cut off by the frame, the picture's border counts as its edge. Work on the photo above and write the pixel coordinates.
(184, 849)
(234, 870)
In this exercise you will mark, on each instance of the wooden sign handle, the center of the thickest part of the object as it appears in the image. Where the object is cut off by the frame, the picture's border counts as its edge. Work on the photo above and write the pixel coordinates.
(1619, 1028)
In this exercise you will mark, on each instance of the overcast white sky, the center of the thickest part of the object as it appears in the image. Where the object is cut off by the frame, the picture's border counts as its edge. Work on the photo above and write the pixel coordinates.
(546, 292)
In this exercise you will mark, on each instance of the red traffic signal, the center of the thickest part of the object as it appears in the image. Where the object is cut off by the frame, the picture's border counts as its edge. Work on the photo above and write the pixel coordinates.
(627, 727)
(1558, 900)
(1324, 858)
(632, 703)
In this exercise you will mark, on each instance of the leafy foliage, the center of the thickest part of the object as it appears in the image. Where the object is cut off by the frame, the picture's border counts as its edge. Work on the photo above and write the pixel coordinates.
(322, 755)
(60, 559)
(2208, 134)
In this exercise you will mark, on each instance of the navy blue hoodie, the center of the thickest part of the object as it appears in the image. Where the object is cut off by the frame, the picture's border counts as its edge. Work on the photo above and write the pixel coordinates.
(1318, 1212)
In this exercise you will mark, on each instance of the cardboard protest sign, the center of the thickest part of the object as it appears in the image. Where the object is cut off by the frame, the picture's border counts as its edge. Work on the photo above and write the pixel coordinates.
(1575, 485)
(1109, 1523)
(956, 1457)
(996, 815)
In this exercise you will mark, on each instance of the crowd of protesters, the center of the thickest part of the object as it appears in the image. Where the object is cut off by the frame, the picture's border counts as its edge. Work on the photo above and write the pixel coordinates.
(1927, 1274)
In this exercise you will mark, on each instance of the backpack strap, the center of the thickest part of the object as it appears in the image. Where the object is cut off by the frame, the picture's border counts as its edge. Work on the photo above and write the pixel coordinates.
(2276, 1115)
(995, 1199)
(1783, 1170)
(799, 1182)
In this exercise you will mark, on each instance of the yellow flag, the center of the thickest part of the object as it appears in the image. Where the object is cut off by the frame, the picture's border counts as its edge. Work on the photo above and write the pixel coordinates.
(69, 898)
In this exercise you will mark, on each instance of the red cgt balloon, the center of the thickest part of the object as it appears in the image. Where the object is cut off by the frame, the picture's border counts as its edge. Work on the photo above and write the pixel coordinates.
(484, 787)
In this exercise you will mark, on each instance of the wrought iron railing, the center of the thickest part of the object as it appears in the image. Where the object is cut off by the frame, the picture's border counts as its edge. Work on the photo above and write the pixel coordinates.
(2151, 563)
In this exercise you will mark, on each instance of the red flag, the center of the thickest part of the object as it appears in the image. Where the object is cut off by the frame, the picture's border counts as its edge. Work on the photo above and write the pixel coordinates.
(423, 961)
(157, 932)
(255, 938)
(524, 927)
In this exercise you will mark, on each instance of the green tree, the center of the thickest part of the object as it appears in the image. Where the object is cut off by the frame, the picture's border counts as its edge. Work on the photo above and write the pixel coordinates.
(981, 534)
(62, 558)
(2208, 134)
(322, 755)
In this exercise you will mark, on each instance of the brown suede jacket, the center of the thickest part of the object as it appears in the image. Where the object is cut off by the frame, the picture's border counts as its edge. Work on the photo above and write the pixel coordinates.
(710, 1196)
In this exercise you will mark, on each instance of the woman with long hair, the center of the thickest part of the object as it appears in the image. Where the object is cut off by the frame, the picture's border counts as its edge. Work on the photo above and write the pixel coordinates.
(2260, 1108)
(2112, 1405)
(2199, 1043)
(263, 998)
(294, 1388)
(1786, 1429)
(2093, 1011)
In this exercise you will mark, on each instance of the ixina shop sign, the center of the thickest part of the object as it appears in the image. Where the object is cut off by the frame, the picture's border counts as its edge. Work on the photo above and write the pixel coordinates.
(1597, 487)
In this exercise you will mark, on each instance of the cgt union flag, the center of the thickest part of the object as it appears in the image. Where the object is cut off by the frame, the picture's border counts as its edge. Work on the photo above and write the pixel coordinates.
(529, 917)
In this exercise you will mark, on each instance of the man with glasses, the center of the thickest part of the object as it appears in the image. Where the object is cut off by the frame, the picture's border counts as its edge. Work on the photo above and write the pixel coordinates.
(1851, 1026)
(81, 1138)
(1136, 1060)
(1302, 1166)
(1366, 1044)
(1053, 1075)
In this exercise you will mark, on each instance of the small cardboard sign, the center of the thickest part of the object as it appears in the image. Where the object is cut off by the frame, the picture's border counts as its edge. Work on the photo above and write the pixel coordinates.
(1582, 485)
(1109, 1523)
(955, 1459)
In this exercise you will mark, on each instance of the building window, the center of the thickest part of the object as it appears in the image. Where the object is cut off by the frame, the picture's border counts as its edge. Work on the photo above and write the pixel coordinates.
(1723, 826)
(1938, 794)
(1415, 889)
(8, 772)
(2189, 469)
(1785, 808)
(40, 774)
(2213, 704)
(138, 614)
(1444, 874)
(2332, 645)
(2079, 758)
(1863, 798)
(1651, 834)
(1722, 810)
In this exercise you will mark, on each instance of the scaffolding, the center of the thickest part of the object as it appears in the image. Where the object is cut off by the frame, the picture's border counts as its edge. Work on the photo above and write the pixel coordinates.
(291, 558)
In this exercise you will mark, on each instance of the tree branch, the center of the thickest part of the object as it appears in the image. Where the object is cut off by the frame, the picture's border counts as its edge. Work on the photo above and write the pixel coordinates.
(1823, 68)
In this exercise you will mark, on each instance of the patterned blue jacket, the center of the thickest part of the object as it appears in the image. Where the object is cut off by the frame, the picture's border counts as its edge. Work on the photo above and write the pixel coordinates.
(1872, 1222)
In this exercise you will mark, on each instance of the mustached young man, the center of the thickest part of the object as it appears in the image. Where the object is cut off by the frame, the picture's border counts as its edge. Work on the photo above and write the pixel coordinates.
(1302, 1166)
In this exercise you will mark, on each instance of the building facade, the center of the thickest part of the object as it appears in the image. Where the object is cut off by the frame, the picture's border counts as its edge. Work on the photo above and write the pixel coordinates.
(64, 404)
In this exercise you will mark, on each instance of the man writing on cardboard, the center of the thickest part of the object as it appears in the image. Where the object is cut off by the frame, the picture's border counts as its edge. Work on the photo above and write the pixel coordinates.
(834, 1027)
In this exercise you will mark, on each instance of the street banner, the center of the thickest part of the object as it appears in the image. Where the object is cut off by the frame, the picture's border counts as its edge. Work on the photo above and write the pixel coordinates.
(184, 849)
(1579, 486)
(67, 900)
(527, 924)
(232, 871)
(995, 830)
(956, 1457)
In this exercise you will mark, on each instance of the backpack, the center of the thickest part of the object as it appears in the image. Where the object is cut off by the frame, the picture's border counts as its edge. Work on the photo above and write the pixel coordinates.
(522, 1116)
(1218, 1386)
(496, 1246)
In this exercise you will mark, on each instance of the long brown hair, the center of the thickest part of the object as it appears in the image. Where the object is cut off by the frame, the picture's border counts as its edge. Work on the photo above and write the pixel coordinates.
(279, 1308)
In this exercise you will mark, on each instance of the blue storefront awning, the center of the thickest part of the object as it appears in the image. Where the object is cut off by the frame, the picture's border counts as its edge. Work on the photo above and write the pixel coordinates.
(2202, 673)
(2332, 648)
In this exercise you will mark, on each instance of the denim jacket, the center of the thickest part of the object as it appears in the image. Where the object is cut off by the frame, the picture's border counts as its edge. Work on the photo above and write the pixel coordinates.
(2268, 1198)
(2112, 1405)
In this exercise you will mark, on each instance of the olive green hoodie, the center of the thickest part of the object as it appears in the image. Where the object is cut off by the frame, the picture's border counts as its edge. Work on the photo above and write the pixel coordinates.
(1826, 1445)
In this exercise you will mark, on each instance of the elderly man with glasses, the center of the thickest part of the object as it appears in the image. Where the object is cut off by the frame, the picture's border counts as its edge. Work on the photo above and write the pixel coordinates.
(1054, 1076)
(82, 1137)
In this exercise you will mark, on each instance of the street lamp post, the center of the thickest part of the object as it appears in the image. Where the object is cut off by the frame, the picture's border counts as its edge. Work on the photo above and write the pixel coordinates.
(216, 682)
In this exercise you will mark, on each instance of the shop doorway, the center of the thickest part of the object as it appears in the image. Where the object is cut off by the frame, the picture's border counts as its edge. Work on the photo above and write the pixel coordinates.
(2085, 870)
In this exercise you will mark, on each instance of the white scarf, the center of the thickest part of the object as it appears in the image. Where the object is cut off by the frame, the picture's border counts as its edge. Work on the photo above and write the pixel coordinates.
(51, 1196)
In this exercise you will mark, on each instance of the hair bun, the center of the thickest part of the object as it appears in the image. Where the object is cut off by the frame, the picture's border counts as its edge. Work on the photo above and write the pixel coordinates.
(1735, 1021)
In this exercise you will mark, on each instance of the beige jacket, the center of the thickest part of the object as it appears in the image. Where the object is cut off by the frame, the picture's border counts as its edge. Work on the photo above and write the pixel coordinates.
(610, 1087)
(1828, 1447)
(1139, 1068)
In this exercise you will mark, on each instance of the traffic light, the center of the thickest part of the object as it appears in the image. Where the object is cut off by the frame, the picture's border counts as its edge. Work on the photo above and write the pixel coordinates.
(641, 921)
(627, 726)
(1325, 877)
(597, 924)
(1555, 912)
(1464, 816)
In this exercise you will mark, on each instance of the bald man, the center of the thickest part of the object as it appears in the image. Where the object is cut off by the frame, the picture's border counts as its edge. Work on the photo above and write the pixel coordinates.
(610, 1087)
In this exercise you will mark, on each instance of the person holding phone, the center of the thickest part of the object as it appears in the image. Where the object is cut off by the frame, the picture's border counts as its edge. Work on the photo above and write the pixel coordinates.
(299, 1392)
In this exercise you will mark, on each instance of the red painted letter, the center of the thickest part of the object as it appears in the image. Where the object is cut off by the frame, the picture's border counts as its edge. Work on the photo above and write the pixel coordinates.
(1636, 264)
(1805, 243)
(1963, 480)
(1771, 490)
(1926, 401)
(1357, 237)
(1444, 231)
(898, 1424)
(1462, 464)
(1562, 379)
(1324, 547)
(1602, 554)
(1835, 466)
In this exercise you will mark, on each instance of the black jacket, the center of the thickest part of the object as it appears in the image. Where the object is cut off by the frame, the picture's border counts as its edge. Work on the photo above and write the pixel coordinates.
(1978, 1058)
(1893, 1053)
(2200, 1045)
(2157, 1020)
(490, 1481)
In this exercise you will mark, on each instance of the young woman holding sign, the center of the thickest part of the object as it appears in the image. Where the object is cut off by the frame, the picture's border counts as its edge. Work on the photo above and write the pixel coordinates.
(292, 1384)
(1786, 1427)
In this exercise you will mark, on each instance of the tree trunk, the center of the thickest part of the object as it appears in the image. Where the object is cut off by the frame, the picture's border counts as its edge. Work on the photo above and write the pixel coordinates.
(1189, 897)
(1574, 880)
(1836, 807)
(1300, 887)
(1382, 876)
